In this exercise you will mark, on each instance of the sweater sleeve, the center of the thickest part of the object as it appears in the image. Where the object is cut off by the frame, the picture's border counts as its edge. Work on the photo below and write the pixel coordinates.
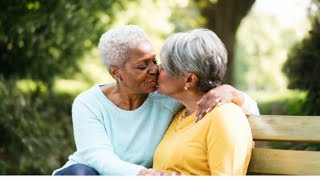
(229, 141)
(93, 143)
(249, 106)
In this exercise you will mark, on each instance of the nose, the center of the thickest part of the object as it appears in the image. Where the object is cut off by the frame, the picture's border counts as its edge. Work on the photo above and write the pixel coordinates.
(154, 69)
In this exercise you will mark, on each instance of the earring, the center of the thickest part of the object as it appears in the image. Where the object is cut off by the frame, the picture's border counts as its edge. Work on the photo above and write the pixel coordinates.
(185, 88)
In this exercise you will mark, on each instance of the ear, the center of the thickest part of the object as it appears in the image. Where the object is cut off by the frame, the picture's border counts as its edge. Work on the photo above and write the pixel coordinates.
(114, 72)
(191, 80)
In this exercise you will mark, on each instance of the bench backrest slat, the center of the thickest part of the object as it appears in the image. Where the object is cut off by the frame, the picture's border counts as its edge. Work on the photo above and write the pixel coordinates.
(289, 129)
(285, 128)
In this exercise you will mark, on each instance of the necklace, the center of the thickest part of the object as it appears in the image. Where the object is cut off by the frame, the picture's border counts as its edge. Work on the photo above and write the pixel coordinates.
(181, 117)
(186, 113)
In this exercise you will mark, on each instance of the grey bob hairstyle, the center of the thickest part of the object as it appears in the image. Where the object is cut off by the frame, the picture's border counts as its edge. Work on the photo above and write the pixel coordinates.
(198, 51)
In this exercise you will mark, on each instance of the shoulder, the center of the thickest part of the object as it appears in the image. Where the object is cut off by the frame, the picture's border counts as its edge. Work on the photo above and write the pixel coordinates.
(226, 108)
(94, 92)
(228, 113)
(90, 96)
(166, 101)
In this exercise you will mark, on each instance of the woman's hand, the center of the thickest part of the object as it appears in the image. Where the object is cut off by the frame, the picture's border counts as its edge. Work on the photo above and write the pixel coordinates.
(217, 96)
(154, 172)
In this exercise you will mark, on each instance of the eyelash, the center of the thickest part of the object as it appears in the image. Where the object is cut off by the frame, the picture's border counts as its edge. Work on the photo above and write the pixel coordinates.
(144, 67)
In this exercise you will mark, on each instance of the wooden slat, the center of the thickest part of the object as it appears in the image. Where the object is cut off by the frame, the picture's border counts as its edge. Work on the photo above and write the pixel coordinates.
(284, 162)
(285, 128)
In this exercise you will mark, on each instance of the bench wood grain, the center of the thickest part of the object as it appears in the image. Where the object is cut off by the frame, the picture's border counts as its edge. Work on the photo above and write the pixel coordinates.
(282, 128)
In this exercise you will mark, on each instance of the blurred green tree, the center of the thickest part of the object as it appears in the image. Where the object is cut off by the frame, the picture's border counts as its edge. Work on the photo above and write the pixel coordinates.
(303, 64)
(224, 17)
(261, 51)
(40, 39)
(221, 16)
(36, 131)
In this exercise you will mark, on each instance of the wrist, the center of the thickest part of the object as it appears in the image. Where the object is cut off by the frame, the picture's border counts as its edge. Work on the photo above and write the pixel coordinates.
(142, 172)
(238, 97)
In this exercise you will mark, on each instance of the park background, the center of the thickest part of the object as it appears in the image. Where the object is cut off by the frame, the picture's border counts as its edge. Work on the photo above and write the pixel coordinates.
(48, 55)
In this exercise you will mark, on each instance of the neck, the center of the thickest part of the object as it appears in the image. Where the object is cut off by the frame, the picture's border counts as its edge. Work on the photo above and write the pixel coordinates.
(123, 98)
(189, 99)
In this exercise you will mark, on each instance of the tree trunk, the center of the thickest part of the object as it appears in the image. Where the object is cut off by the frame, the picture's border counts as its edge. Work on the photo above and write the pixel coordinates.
(224, 18)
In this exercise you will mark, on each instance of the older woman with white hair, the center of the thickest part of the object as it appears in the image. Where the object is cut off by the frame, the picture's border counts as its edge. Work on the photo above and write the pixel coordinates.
(194, 62)
(118, 126)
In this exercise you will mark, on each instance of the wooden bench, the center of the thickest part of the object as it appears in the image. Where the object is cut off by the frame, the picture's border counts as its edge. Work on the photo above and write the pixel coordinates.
(280, 128)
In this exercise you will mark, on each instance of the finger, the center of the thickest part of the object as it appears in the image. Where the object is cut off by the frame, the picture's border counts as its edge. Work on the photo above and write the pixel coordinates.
(197, 114)
(203, 99)
(203, 106)
(176, 174)
(212, 106)
(200, 110)
(198, 102)
(224, 100)
(201, 116)
(143, 172)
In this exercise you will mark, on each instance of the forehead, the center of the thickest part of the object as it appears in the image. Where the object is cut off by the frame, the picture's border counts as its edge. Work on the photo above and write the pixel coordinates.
(141, 51)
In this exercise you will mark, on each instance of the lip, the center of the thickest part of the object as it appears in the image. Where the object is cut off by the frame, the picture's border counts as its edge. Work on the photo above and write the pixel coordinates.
(154, 82)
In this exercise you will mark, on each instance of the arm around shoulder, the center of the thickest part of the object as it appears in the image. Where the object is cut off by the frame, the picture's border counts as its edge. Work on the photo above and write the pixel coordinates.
(249, 106)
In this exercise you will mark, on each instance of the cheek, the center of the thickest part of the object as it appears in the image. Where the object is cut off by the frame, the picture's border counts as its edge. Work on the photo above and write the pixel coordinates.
(137, 77)
(162, 77)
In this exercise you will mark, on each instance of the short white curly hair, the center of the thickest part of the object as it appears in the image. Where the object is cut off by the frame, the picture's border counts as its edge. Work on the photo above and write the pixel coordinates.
(115, 45)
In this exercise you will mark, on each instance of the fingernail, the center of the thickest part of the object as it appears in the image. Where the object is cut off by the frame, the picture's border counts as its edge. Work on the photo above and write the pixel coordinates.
(208, 110)
(198, 118)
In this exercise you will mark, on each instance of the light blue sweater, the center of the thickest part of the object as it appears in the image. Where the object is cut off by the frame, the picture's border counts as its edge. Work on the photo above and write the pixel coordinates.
(119, 142)
(115, 141)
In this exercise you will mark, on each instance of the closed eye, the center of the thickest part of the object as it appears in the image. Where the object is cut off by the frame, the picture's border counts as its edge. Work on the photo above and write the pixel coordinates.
(142, 67)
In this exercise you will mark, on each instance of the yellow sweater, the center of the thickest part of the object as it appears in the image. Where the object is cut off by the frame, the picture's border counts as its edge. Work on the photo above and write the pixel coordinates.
(219, 144)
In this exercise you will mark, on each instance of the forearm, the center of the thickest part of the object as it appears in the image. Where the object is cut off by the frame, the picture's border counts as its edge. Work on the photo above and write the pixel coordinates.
(94, 147)
(105, 162)
(238, 97)
(249, 106)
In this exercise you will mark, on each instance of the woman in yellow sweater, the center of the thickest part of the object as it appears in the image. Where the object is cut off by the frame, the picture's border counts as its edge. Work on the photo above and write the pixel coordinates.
(194, 62)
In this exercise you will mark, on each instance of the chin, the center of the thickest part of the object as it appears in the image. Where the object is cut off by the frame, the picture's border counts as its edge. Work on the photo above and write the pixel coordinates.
(152, 90)
(159, 91)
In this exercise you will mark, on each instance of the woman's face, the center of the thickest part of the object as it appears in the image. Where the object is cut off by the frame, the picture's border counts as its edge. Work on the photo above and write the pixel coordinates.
(170, 85)
(140, 73)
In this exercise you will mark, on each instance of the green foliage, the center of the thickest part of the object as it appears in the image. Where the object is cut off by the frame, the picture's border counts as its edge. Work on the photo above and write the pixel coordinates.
(192, 16)
(41, 39)
(303, 67)
(261, 48)
(36, 129)
(287, 102)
